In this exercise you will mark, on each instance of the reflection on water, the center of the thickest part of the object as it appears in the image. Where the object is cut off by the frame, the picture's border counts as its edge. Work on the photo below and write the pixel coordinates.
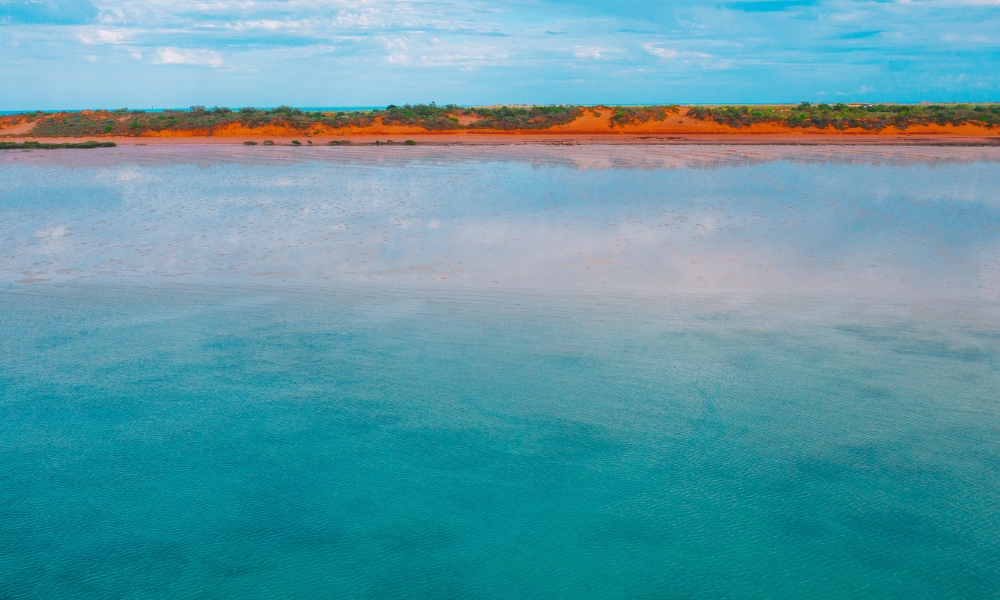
(859, 221)
(536, 372)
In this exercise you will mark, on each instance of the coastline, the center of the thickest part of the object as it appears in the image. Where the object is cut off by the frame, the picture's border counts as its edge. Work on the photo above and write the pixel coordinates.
(546, 138)
(592, 127)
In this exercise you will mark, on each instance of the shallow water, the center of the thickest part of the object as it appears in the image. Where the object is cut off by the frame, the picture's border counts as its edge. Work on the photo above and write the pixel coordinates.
(500, 372)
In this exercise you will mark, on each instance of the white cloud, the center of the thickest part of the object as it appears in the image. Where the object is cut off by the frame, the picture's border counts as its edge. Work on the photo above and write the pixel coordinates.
(588, 52)
(355, 19)
(185, 56)
(397, 58)
(661, 52)
(266, 25)
(626, 55)
(104, 36)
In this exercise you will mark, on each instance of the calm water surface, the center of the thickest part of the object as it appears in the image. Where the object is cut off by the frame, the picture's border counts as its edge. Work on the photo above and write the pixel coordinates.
(522, 372)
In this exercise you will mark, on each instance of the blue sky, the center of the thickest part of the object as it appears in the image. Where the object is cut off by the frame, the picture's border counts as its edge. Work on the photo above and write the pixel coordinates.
(175, 53)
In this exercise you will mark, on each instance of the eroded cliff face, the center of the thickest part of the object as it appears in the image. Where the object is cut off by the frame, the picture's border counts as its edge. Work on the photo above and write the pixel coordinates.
(591, 121)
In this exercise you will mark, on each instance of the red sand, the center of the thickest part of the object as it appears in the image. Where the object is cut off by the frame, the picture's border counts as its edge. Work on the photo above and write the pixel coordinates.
(588, 128)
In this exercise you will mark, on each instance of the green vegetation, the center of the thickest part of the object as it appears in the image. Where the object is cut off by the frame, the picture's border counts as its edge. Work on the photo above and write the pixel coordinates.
(410, 143)
(429, 116)
(77, 124)
(268, 142)
(249, 143)
(296, 143)
(634, 115)
(199, 119)
(41, 146)
(125, 122)
(450, 116)
(526, 117)
(871, 117)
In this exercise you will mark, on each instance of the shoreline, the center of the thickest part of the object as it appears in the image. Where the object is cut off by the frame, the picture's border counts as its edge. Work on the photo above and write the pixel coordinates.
(596, 125)
(545, 139)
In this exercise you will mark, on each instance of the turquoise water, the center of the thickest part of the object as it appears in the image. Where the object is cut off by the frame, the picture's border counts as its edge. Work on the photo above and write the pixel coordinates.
(672, 372)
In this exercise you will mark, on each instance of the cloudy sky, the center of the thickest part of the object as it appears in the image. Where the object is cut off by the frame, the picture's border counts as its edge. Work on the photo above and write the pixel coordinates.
(175, 53)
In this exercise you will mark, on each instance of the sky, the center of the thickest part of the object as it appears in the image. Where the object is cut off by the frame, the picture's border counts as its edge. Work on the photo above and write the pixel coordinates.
(77, 54)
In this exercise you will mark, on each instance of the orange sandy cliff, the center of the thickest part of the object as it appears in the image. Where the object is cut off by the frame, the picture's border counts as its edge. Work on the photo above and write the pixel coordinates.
(587, 124)
(593, 124)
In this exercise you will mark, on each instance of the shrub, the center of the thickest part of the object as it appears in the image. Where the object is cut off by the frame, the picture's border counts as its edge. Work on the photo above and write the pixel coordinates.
(628, 115)
(268, 142)
(296, 143)
(41, 146)
(108, 128)
(842, 116)
(519, 117)
(429, 116)
(286, 110)
(410, 143)
(249, 143)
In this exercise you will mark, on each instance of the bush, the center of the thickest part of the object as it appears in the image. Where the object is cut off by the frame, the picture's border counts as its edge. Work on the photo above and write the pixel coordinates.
(249, 143)
(410, 143)
(520, 117)
(296, 143)
(287, 111)
(628, 115)
(41, 146)
(268, 142)
(843, 116)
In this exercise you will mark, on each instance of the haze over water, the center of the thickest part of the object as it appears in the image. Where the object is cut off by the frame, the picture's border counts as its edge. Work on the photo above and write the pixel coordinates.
(527, 371)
